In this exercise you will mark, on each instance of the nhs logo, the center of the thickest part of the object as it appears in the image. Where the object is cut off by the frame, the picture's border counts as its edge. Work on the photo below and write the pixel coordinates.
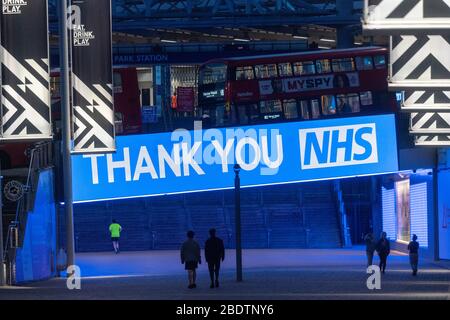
(338, 146)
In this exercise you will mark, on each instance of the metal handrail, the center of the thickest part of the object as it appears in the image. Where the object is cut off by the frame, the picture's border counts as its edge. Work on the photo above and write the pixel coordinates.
(28, 188)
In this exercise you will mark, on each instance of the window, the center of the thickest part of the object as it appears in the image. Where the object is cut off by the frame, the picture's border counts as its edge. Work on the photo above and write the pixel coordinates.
(364, 63)
(323, 66)
(253, 112)
(290, 109)
(380, 62)
(265, 71)
(271, 106)
(304, 109)
(304, 68)
(55, 86)
(366, 98)
(342, 104)
(213, 73)
(342, 65)
(353, 101)
(315, 109)
(221, 115)
(244, 73)
(328, 105)
(285, 69)
(243, 118)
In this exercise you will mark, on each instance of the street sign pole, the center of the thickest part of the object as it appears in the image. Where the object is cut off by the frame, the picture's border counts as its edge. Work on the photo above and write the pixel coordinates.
(66, 132)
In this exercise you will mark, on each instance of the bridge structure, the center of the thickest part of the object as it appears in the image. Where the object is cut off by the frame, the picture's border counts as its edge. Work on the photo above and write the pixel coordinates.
(144, 21)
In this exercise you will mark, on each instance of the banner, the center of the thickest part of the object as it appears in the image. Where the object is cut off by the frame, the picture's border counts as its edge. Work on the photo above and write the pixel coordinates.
(406, 16)
(92, 91)
(25, 77)
(420, 62)
(185, 99)
(201, 160)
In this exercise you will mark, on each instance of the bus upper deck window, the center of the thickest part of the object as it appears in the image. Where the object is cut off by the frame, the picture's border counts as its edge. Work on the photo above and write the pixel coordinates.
(366, 98)
(264, 71)
(117, 82)
(290, 109)
(380, 61)
(323, 66)
(328, 105)
(364, 63)
(285, 69)
(244, 73)
(342, 65)
(304, 68)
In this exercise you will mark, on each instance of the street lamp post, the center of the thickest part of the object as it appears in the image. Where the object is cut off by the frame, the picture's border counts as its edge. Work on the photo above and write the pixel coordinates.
(237, 203)
(66, 133)
(2, 266)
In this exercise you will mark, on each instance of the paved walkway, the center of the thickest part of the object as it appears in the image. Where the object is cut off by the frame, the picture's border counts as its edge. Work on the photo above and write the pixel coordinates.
(268, 274)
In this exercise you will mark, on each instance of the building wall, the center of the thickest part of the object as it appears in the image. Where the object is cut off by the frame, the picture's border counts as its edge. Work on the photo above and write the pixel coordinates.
(36, 260)
(443, 210)
(420, 204)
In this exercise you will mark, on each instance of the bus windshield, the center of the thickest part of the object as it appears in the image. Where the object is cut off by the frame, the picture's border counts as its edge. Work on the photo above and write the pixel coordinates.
(212, 79)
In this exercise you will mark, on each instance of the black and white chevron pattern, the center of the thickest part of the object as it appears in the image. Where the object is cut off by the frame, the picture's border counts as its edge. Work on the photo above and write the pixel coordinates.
(430, 123)
(432, 140)
(416, 10)
(25, 98)
(426, 100)
(93, 117)
(420, 61)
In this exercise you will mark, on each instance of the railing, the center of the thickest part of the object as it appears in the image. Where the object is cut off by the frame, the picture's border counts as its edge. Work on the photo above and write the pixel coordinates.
(40, 158)
(345, 229)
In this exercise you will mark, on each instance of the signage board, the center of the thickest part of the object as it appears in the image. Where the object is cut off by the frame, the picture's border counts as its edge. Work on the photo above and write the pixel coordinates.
(200, 160)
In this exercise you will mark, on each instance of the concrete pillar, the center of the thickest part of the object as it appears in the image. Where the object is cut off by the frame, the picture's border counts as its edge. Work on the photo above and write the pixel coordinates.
(344, 35)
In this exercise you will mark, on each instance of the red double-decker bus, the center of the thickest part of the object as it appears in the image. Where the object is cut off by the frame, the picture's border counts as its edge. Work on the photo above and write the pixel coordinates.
(295, 86)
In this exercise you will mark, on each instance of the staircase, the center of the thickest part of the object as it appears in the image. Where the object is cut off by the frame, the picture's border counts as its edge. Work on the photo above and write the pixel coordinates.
(300, 215)
(321, 218)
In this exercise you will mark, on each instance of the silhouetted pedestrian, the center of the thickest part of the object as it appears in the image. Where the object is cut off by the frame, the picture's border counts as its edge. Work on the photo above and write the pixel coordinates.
(370, 248)
(413, 248)
(383, 248)
(190, 257)
(214, 253)
(115, 229)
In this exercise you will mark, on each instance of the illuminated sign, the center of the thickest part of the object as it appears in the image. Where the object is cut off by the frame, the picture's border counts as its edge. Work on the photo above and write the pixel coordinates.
(200, 160)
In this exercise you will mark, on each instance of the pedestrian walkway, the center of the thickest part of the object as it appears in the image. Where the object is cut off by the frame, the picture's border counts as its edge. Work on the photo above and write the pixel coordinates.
(268, 274)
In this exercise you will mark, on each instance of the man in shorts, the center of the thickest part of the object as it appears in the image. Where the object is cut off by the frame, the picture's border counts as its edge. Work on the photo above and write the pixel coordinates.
(190, 257)
(115, 229)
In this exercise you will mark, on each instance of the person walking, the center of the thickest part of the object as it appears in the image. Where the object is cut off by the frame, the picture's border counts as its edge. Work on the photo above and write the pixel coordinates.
(413, 248)
(383, 248)
(190, 257)
(115, 229)
(214, 253)
(370, 247)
